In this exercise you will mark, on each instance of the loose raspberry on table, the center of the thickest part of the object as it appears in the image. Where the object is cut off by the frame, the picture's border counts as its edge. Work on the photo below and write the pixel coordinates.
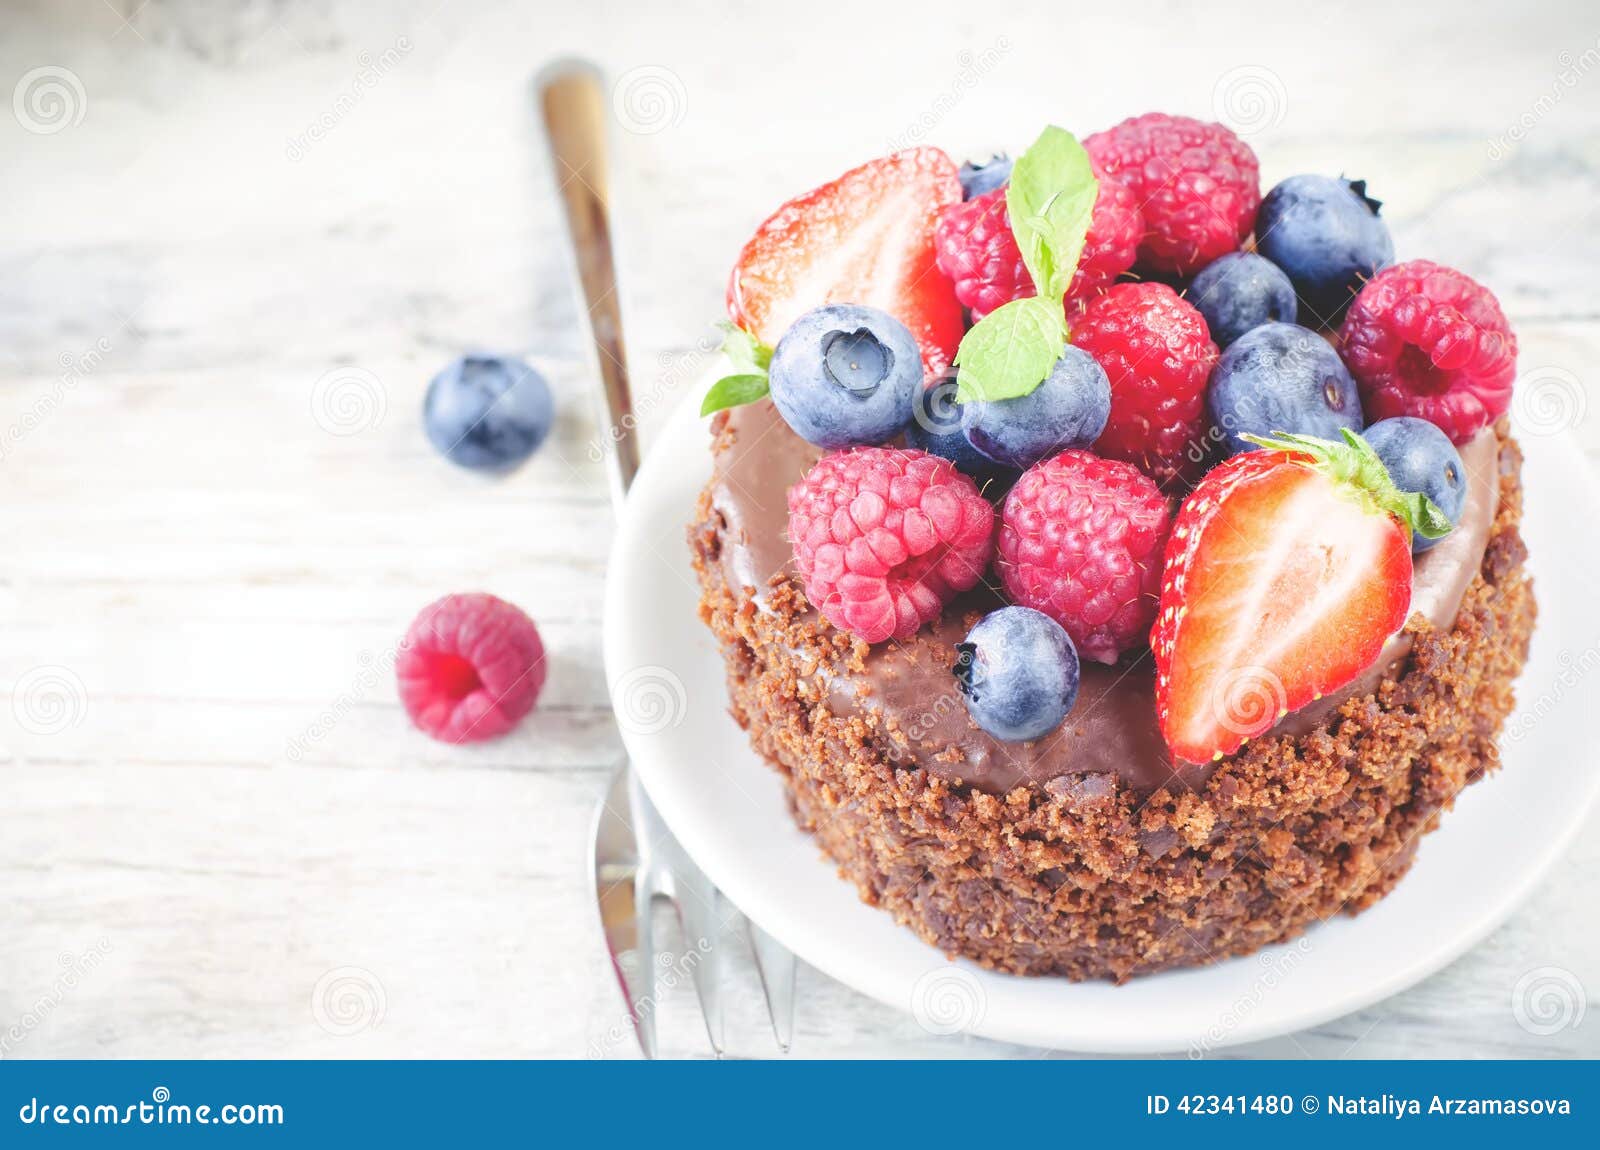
(976, 249)
(1431, 342)
(470, 667)
(1197, 184)
(884, 537)
(1158, 354)
(1082, 540)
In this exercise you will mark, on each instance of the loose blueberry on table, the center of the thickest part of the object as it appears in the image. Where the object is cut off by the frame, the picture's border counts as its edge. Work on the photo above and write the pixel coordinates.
(488, 412)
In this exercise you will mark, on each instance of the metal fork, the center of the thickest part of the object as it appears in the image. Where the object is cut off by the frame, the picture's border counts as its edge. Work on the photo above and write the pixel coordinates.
(636, 859)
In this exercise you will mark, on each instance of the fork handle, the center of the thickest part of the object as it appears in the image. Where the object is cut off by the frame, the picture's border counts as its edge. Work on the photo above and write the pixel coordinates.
(572, 100)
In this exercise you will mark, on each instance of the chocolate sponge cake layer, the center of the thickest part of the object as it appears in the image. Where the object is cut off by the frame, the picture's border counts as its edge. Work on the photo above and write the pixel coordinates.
(1100, 871)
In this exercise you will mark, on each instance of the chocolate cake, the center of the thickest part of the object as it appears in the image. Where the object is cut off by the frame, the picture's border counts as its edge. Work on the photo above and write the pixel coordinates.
(1090, 853)
(1120, 566)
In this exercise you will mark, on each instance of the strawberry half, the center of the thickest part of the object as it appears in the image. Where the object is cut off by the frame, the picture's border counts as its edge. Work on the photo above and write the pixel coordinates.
(866, 238)
(1286, 572)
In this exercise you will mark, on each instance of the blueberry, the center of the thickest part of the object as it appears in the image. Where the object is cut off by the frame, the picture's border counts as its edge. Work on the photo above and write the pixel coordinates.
(935, 427)
(977, 179)
(487, 412)
(1241, 291)
(1069, 409)
(1279, 377)
(844, 375)
(1420, 457)
(1327, 235)
(1019, 673)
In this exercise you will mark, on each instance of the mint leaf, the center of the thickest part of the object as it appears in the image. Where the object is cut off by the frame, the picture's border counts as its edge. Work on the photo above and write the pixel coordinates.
(734, 390)
(1012, 350)
(748, 380)
(748, 354)
(1050, 200)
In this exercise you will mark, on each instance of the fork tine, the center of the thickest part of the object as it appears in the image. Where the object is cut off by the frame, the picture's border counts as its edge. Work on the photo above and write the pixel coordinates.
(776, 965)
(700, 910)
(643, 1009)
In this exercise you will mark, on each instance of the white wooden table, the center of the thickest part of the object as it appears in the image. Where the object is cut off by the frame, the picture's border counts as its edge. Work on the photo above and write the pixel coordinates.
(238, 240)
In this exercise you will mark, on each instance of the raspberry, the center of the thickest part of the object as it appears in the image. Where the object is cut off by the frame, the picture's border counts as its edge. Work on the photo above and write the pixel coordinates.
(1428, 341)
(1198, 185)
(976, 249)
(1081, 539)
(470, 668)
(884, 538)
(1158, 354)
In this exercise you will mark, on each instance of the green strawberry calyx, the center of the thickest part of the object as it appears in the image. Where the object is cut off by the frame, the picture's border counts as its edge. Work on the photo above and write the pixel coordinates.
(1356, 469)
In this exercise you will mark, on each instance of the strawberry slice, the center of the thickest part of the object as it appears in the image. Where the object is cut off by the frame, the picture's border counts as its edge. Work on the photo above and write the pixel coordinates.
(1286, 572)
(866, 238)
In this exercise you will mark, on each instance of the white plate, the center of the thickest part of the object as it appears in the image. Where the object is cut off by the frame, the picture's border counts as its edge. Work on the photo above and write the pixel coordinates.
(727, 807)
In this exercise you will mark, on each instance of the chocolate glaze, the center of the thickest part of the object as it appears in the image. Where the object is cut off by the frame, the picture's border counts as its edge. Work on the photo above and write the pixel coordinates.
(1112, 728)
